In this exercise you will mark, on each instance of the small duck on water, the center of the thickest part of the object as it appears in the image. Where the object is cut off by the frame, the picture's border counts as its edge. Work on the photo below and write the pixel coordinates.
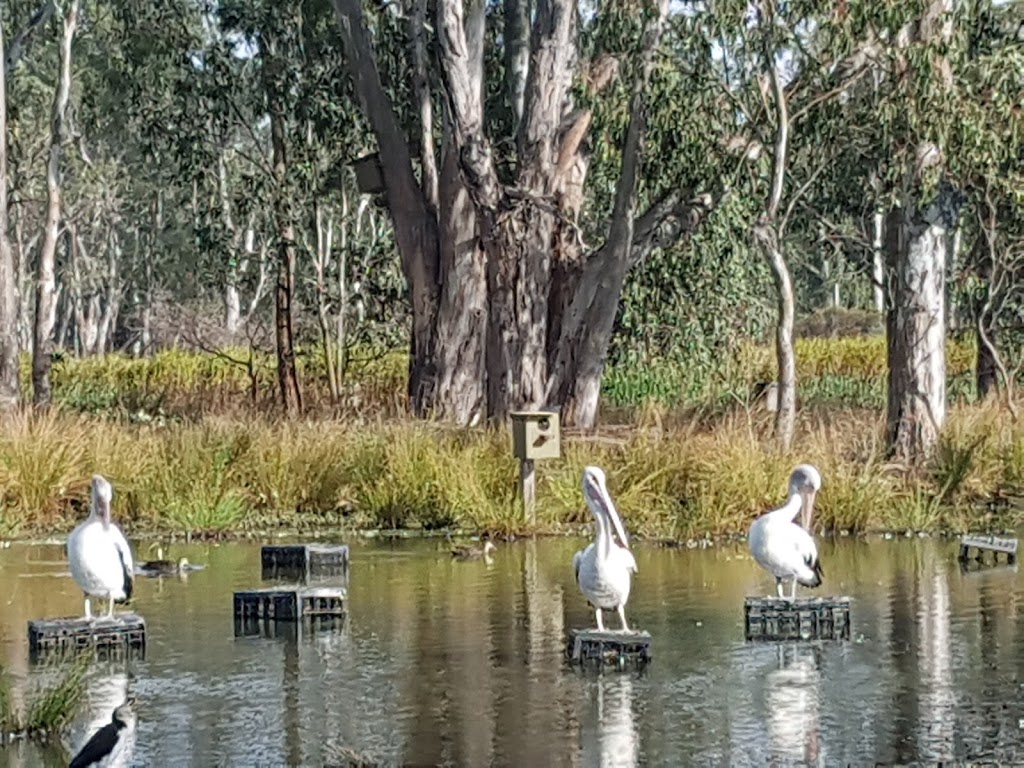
(161, 567)
(474, 553)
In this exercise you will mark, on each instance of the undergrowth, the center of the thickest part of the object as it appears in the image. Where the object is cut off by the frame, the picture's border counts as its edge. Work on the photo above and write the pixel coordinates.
(670, 478)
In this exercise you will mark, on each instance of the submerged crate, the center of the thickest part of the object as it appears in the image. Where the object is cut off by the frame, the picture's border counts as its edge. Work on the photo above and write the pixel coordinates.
(805, 618)
(982, 544)
(316, 605)
(608, 646)
(288, 630)
(124, 636)
(304, 561)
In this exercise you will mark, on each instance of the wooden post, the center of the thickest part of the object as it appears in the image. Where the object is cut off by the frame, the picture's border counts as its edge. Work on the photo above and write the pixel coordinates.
(528, 488)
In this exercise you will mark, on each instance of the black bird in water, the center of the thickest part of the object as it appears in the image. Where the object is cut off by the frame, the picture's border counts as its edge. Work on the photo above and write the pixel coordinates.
(108, 740)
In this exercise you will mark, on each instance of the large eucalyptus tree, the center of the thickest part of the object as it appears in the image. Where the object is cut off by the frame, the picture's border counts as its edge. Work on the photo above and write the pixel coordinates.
(510, 307)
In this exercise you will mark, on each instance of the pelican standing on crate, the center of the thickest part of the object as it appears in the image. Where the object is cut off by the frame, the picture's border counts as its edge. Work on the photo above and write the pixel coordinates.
(783, 547)
(604, 569)
(101, 561)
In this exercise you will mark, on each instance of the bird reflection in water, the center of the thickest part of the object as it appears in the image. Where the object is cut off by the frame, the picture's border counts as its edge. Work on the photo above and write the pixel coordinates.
(791, 703)
(608, 731)
(106, 690)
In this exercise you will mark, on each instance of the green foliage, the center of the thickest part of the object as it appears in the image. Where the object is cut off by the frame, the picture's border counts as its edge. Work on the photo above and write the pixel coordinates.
(688, 306)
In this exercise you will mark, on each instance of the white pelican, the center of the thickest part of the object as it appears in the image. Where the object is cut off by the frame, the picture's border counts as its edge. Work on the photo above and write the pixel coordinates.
(603, 569)
(101, 561)
(784, 548)
(113, 743)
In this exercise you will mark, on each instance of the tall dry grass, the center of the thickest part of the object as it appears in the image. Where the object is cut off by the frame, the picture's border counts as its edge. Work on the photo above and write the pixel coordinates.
(670, 478)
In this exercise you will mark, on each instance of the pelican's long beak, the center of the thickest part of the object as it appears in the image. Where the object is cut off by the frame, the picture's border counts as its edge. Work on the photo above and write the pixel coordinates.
(103, 507)
(807, 510)
(608, 507)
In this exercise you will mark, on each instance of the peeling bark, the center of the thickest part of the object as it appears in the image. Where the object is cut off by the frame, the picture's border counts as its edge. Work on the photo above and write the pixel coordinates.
(462, 317)
(463, 311)
(10, 387)
(46, 284)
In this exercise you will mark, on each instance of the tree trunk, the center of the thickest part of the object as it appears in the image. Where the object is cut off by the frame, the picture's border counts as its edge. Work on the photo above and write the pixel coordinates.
(502, 234)
(915, 329)
(917, 242)
(516, 39)
(415, 225)
(10, 387)
(878, 260)
(287, 373)
(421, 92)
(157, 214)
(232, 299)
(769, 233)
(462, 316)
(46, 281)
(112, 299)
(986, 372)
(324, 226)
(785, 412)
(462, 313)
(24, 285)
(587, 330)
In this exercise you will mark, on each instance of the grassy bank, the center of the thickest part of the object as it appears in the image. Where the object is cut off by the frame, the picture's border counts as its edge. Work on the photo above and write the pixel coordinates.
(673, 481)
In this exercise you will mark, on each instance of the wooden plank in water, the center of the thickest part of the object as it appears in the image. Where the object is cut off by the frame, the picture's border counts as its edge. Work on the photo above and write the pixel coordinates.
(805, 618)
(303, 561)
(124, 636)
(609, 646)
(289, 604)
(995, 544)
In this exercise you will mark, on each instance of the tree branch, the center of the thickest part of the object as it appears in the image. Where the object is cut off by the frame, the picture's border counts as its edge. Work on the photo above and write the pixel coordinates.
(667, 220)
(422, 97)
(781, 137)
(403, 193)
(22, 40)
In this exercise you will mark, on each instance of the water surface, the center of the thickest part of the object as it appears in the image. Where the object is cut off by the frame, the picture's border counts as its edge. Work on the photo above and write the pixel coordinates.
(443, 662)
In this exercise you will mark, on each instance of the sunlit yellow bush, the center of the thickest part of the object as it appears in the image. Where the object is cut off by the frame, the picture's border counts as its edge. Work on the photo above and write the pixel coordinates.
(855, 357)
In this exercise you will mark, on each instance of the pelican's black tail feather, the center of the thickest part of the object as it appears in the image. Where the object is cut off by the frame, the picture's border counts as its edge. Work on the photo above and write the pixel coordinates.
(819, 574)
(129, 582)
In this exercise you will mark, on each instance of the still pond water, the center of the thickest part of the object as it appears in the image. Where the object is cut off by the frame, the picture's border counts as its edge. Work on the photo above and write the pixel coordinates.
(443, 662)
